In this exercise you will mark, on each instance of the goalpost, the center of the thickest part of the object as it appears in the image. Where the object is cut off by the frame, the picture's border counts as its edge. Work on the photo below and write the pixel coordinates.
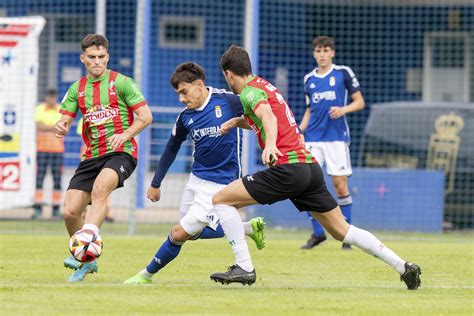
(18, 74)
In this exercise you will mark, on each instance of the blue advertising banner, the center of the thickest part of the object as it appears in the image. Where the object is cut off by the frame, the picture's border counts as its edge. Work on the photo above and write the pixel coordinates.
(383, 199)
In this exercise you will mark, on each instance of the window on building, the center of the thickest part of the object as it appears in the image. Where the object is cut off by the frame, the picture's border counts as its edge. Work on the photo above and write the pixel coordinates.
(181, 32)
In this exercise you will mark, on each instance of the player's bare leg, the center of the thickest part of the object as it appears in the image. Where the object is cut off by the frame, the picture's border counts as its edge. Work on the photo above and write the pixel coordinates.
(335, 224)
(340, 185)
(234, 194)
(75, 204)
(104, 184)
(226, 202)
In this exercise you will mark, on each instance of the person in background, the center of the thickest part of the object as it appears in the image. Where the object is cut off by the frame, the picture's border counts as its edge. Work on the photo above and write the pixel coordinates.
(49, 153)
(332, 91)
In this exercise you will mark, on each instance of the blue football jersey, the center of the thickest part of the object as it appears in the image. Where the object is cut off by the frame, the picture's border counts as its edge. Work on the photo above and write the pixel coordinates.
(322, 92)
(216, 156)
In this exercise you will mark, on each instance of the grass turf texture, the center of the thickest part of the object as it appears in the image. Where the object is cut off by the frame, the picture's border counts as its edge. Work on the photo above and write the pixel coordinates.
(325, 280)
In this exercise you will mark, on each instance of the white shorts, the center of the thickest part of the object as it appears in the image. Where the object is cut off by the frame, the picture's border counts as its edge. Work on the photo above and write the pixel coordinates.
(196, 210)
(335, 155)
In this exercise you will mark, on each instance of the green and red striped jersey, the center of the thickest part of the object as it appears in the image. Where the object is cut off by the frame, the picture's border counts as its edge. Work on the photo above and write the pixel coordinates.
(258, 91)
(107, 104)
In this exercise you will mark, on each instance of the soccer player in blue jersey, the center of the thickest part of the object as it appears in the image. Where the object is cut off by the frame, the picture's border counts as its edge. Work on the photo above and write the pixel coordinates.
(328, 88)
(216, 164)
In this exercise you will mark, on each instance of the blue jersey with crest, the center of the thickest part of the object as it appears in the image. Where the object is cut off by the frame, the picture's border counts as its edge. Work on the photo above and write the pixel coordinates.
(216, 156)
(322, 92)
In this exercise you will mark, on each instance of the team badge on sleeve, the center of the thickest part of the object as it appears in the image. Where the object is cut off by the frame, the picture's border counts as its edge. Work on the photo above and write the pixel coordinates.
(355, 82)
(218, 111)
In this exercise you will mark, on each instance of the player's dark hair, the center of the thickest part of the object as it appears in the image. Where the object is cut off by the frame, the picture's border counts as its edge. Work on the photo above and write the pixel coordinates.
(187, 72)
(94, 40)
(324, 41)
(237, 60)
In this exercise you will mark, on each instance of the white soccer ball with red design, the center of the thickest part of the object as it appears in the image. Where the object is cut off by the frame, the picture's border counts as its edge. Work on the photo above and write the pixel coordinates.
(85, 245)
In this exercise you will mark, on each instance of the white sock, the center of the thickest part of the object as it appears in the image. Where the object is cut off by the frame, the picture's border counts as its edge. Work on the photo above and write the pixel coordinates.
(147, 274)
(371, 245)
(92, 227)
(248, 228)
(234, 231)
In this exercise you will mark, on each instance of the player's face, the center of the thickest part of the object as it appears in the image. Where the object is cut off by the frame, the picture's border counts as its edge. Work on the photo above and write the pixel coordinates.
(230, 79)
(192, 94)
(323, 56)
(95, 60)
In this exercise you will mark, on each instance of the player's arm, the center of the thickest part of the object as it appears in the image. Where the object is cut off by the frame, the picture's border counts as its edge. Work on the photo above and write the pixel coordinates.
(177, 137)
(305, 120)
(69, 106)
(134, 99)
(143, 118)
(63, 125)
(306, 116)
(353, 87)
(237, 109)
(234, 122)
(357, 104)
(264, 112)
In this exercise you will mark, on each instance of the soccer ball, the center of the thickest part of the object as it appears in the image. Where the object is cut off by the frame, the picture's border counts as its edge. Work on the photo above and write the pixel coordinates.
(85, 245)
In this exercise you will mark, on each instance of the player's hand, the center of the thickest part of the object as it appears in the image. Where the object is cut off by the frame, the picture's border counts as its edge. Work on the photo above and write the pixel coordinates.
(60, 129)
(153, 194)
(117, 140)
(270, 155)
(336, 112)
(227, 126)
(302, 139)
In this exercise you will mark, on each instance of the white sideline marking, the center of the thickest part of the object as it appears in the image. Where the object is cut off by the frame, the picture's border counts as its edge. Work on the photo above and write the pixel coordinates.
(401, 286)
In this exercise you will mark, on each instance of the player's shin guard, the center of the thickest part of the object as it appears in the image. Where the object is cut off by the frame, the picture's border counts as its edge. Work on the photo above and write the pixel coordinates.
(234, 230)
(371, 245)
(167, 252)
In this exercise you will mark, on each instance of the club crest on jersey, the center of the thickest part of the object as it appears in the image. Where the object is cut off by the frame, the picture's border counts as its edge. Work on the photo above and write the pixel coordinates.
(111, 87)
(218, 111)
(332, 81)
(99, 114)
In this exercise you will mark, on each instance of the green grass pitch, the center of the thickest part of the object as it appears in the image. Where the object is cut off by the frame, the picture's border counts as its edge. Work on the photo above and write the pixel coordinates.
(322, 281)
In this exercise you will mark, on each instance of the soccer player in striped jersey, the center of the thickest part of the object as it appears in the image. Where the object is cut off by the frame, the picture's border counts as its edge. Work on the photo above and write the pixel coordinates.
(114, 112)
(327, 137)
(216, 163)
(292, 174)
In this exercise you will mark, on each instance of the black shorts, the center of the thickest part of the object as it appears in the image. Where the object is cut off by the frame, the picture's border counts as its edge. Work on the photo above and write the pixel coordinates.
(302, 183)
(89, 169)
